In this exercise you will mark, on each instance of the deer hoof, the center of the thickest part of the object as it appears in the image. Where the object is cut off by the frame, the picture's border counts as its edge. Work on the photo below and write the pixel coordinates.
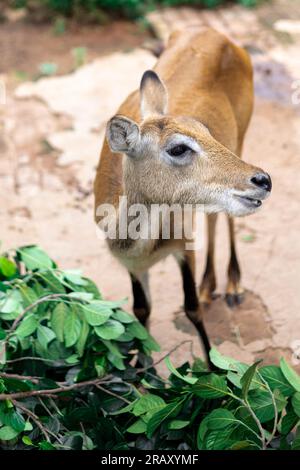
(233, 300)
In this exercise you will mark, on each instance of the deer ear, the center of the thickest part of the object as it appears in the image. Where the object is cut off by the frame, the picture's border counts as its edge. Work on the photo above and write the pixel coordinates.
(154, 96)
(123, 135)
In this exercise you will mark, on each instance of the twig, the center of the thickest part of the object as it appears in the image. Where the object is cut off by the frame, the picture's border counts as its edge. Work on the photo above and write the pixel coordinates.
(164, 356)
(262, 433)
(55, 406)
(51, 391)
(34, 380)
(45, 407)
(109, 392)
(275, 409)
(34, 418)
(260, 428)
(84, 437)
(31, 358)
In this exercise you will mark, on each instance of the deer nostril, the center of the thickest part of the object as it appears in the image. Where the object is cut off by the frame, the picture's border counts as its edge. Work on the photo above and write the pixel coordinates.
(263, 181)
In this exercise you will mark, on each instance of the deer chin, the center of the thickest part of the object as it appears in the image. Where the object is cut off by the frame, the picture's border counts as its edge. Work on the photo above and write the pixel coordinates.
(240, 204)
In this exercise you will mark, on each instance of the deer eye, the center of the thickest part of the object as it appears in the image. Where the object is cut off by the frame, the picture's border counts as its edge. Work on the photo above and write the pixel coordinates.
(178, 150)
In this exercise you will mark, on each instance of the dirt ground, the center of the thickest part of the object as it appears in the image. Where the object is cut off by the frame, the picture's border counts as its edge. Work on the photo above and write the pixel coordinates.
(49, 145)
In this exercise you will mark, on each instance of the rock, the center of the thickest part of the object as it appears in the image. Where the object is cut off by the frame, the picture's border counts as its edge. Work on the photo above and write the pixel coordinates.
(287, 26)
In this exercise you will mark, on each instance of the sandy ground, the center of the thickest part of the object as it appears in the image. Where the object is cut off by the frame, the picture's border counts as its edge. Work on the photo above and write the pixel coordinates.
(50, 140)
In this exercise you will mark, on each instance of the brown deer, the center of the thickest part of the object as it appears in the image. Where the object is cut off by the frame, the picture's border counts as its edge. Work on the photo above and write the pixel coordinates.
(178, 140)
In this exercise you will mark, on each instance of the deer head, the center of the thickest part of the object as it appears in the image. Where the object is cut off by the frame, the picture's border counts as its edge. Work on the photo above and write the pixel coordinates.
(175, 159)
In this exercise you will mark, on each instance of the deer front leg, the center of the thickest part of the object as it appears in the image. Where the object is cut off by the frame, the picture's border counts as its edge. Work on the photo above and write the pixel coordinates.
(208, 284)
(192, 306)
(234, 291)
(141, 297)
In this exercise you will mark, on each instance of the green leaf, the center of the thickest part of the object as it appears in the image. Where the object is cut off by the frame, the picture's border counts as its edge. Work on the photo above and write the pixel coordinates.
(203, 429)
(139, 427)
(149, 345)
(235, 377)
(276, 379)
(73, 359)
(17, 422)
(28, 294)
(107, 304)
(218, 440)
(45, 335)
(45, 445)
(11, 417)
(83, 336)
(289, 421)
(110, 330)
(27, 441)
(244, 445)
(74, 276)
(262, 404)
(7, 433)
(296, 403)
(95, 314)
(35, 258)
(210, 386)
(86, 296)
(12, 303)
(220, 419)
(58, 318)
(137, 330)
(72, 327)
(199, 366)
(126, 409)
(291, 376)
(123, 317)
(178, 424)
(100, 366)
(296, 441)
(113, 348)
(116, 361)
(247, 378)
(27, 326)
(169, 411)
(222, 362)
(185, 378)
(7, 268)
(125, 337)
(52, 282)
(28, 426)
(148, 402)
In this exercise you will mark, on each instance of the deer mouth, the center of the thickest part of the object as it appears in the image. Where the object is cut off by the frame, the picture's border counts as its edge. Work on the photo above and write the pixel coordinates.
(250, 202)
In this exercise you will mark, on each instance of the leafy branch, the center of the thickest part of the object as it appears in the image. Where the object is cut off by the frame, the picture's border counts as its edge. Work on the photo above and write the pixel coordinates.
(76, 372)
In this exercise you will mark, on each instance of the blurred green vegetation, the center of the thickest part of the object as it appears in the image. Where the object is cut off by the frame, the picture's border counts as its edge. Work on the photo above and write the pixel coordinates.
(128, 8)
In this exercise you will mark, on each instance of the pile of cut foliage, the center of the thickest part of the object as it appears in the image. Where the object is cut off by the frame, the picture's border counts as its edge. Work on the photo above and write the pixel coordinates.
(76, 373)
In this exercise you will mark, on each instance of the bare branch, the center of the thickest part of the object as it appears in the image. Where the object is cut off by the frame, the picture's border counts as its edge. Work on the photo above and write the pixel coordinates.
(51, 391)
(34, 418)
(34, 380)
(109, 392)
(143, 369)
